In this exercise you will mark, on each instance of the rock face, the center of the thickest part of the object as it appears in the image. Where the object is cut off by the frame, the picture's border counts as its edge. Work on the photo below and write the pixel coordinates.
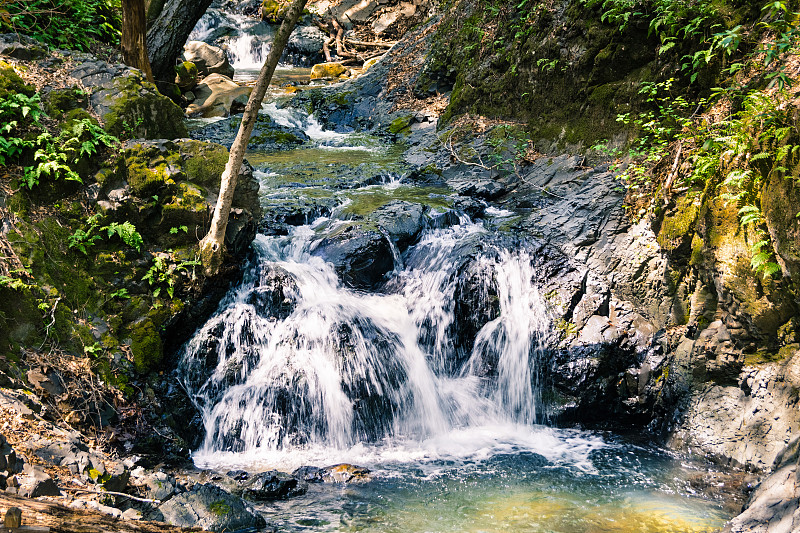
(218, 96)
(211, 508)
(208, 59)
(21, 47)
(127, 104)
(774, 506)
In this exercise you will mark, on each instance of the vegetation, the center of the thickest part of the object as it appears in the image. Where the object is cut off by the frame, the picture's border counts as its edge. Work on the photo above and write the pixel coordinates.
(74, 25)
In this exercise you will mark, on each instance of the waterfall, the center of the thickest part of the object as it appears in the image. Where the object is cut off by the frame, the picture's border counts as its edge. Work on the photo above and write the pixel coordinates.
(294, 359)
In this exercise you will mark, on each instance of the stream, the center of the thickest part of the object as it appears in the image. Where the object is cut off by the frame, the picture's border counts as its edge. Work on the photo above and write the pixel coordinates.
(298, 369)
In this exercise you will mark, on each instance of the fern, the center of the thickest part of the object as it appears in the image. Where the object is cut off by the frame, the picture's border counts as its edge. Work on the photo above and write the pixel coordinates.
(127, 232)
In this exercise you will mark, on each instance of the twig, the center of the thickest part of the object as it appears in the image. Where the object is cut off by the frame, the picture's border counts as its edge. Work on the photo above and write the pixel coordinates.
(371, 43)
(673, 171)
(112, 493)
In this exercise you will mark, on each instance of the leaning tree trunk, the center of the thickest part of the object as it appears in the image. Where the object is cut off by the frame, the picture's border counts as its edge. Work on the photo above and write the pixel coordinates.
(134, 29)
(168, 33)
(212, 246)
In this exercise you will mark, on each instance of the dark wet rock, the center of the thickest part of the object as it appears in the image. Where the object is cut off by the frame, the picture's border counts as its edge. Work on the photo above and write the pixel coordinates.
(272, 485)
(403, 221)
(267, 135)
(273, 297)
(208, 59)
(21, 47)
(211, 508)
(287, 208)
(484, 185)
(361, 256)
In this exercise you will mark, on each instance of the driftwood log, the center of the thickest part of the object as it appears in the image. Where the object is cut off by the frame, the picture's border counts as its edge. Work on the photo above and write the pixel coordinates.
(62, 519)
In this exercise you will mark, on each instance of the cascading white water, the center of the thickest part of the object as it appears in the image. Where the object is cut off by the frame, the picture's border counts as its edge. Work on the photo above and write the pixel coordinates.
(294, 359)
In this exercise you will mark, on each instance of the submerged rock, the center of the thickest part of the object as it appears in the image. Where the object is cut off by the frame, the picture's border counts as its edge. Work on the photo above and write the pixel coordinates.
(267, 135)
(341, 473)
(403, 221)
(209, 507)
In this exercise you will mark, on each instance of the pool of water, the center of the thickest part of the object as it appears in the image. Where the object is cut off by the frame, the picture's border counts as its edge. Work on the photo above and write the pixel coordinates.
(496, 479)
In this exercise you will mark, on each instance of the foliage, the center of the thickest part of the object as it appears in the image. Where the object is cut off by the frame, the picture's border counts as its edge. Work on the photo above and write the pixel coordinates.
(84, 239)
(54, 156)
(72, 24)
(164, 275)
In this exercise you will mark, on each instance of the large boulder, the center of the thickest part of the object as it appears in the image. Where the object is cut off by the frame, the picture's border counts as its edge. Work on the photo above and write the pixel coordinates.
(210, 508)
(403, 221)
(129, 105)
(208, 59)
(168, 190)
(361, 255)
(327, 70)
(218, 96)
(306, 42)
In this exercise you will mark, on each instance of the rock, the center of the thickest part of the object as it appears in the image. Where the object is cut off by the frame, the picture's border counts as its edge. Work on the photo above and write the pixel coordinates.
(13, 518)
(131, 514)
(36, 482)
(403, 221)
(774, 506)
(209, 507)
(306, 41)
(218, 96)
(159, 486)
(327, 70)
(267, 134)
(21, 47)
(208, 59)
(186, 76)
(370, 62)
(128, 104)
(116, 478)
(361, 256)
(273, 485)
(345, 473)
(272, 298)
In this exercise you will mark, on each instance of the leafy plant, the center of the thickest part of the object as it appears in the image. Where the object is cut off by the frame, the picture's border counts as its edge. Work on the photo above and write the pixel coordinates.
(84, 239)
(164, 275)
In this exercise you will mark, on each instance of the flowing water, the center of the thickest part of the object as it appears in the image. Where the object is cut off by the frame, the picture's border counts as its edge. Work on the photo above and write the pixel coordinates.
(440, 399)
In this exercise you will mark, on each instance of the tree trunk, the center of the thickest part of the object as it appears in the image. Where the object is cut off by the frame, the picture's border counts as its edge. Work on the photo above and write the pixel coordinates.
(134, 29)
(168, 33)
(212, 246)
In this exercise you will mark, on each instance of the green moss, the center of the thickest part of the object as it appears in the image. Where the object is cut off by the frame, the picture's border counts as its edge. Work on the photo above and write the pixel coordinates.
(275, 136)
(204, 162)
(146, 346)
(11, 82)
(220, 508)
(60, 101)
(150, 172)
(186, 75)
(678, 227)
(273, 11)
(365, 202)
(401, 125)
(138, 110)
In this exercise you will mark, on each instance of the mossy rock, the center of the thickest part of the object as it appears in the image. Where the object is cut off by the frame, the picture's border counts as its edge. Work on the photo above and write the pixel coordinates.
(273, 11)
(204, 162)
(134, 108)
(151, 171)
(677, 228)
(146, 346)
(401, 125)
(327, 70)
(186, 76)
(60, 101)
(11, 82)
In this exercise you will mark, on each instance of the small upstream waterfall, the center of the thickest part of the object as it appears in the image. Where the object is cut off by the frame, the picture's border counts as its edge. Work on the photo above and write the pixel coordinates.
(295, 359)
(247, 40)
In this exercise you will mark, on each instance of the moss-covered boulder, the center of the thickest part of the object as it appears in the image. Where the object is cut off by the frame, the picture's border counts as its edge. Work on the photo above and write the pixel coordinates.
(58, 102)
(273, 11)
(168, 189)
(186, 76)
(11, 82)
(146, 346)
(131, 107)
(780, 202)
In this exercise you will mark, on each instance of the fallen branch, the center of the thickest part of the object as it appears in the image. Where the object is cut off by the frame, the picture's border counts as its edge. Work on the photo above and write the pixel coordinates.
(112, 493)
(371, 43)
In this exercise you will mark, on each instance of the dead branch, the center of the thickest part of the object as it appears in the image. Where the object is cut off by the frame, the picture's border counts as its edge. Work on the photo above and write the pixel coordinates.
(112, 493)
(377, 44)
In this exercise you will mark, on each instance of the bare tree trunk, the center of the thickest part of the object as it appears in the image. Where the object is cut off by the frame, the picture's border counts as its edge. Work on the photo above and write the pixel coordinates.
(212, 246)
(168, 33)
(134, 32)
